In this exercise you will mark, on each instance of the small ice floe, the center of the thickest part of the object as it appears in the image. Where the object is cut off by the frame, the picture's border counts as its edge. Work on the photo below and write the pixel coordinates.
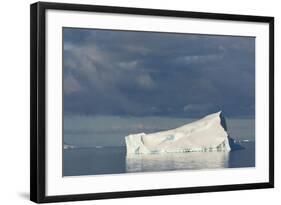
(245, 140)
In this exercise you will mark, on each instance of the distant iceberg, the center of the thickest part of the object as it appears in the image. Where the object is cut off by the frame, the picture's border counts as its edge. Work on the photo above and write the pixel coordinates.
(67, 146)
(204, 135)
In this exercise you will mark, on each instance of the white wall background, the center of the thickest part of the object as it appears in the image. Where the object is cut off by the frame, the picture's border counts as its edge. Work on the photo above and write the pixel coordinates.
(14, 100)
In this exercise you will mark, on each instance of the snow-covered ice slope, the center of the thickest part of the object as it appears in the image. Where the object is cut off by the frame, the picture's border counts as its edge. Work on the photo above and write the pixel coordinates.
(206, 134)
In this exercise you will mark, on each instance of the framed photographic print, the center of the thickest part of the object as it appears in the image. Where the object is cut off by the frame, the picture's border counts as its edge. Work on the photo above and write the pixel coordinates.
(129, 102)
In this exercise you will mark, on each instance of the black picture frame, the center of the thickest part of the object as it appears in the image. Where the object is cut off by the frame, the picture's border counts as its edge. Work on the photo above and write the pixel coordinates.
(38, 101)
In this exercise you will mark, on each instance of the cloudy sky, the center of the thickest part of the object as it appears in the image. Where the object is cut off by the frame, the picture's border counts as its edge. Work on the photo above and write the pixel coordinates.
(141, 74)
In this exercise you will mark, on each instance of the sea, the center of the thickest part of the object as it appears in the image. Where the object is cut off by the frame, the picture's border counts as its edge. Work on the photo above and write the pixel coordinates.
(95, 145)
(100, 160)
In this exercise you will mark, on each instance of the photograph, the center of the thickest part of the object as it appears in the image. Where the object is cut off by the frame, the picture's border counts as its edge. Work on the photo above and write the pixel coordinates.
(134, 102)
(145, 101)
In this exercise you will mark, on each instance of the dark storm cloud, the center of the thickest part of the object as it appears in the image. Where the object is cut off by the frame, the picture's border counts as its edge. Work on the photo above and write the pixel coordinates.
(144, 73)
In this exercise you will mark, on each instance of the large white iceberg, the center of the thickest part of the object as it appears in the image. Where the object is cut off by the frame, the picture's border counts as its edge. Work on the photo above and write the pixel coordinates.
(206, 134)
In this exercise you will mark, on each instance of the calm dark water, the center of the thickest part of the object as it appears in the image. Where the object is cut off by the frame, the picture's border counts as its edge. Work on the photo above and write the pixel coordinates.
(113, 160)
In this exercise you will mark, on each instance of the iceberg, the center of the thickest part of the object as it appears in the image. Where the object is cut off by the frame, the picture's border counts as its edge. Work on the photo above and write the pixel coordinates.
(204, 135)
(67, 146)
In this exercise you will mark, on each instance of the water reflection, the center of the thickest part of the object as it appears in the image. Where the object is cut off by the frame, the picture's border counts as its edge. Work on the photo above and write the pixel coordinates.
(176, 161)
